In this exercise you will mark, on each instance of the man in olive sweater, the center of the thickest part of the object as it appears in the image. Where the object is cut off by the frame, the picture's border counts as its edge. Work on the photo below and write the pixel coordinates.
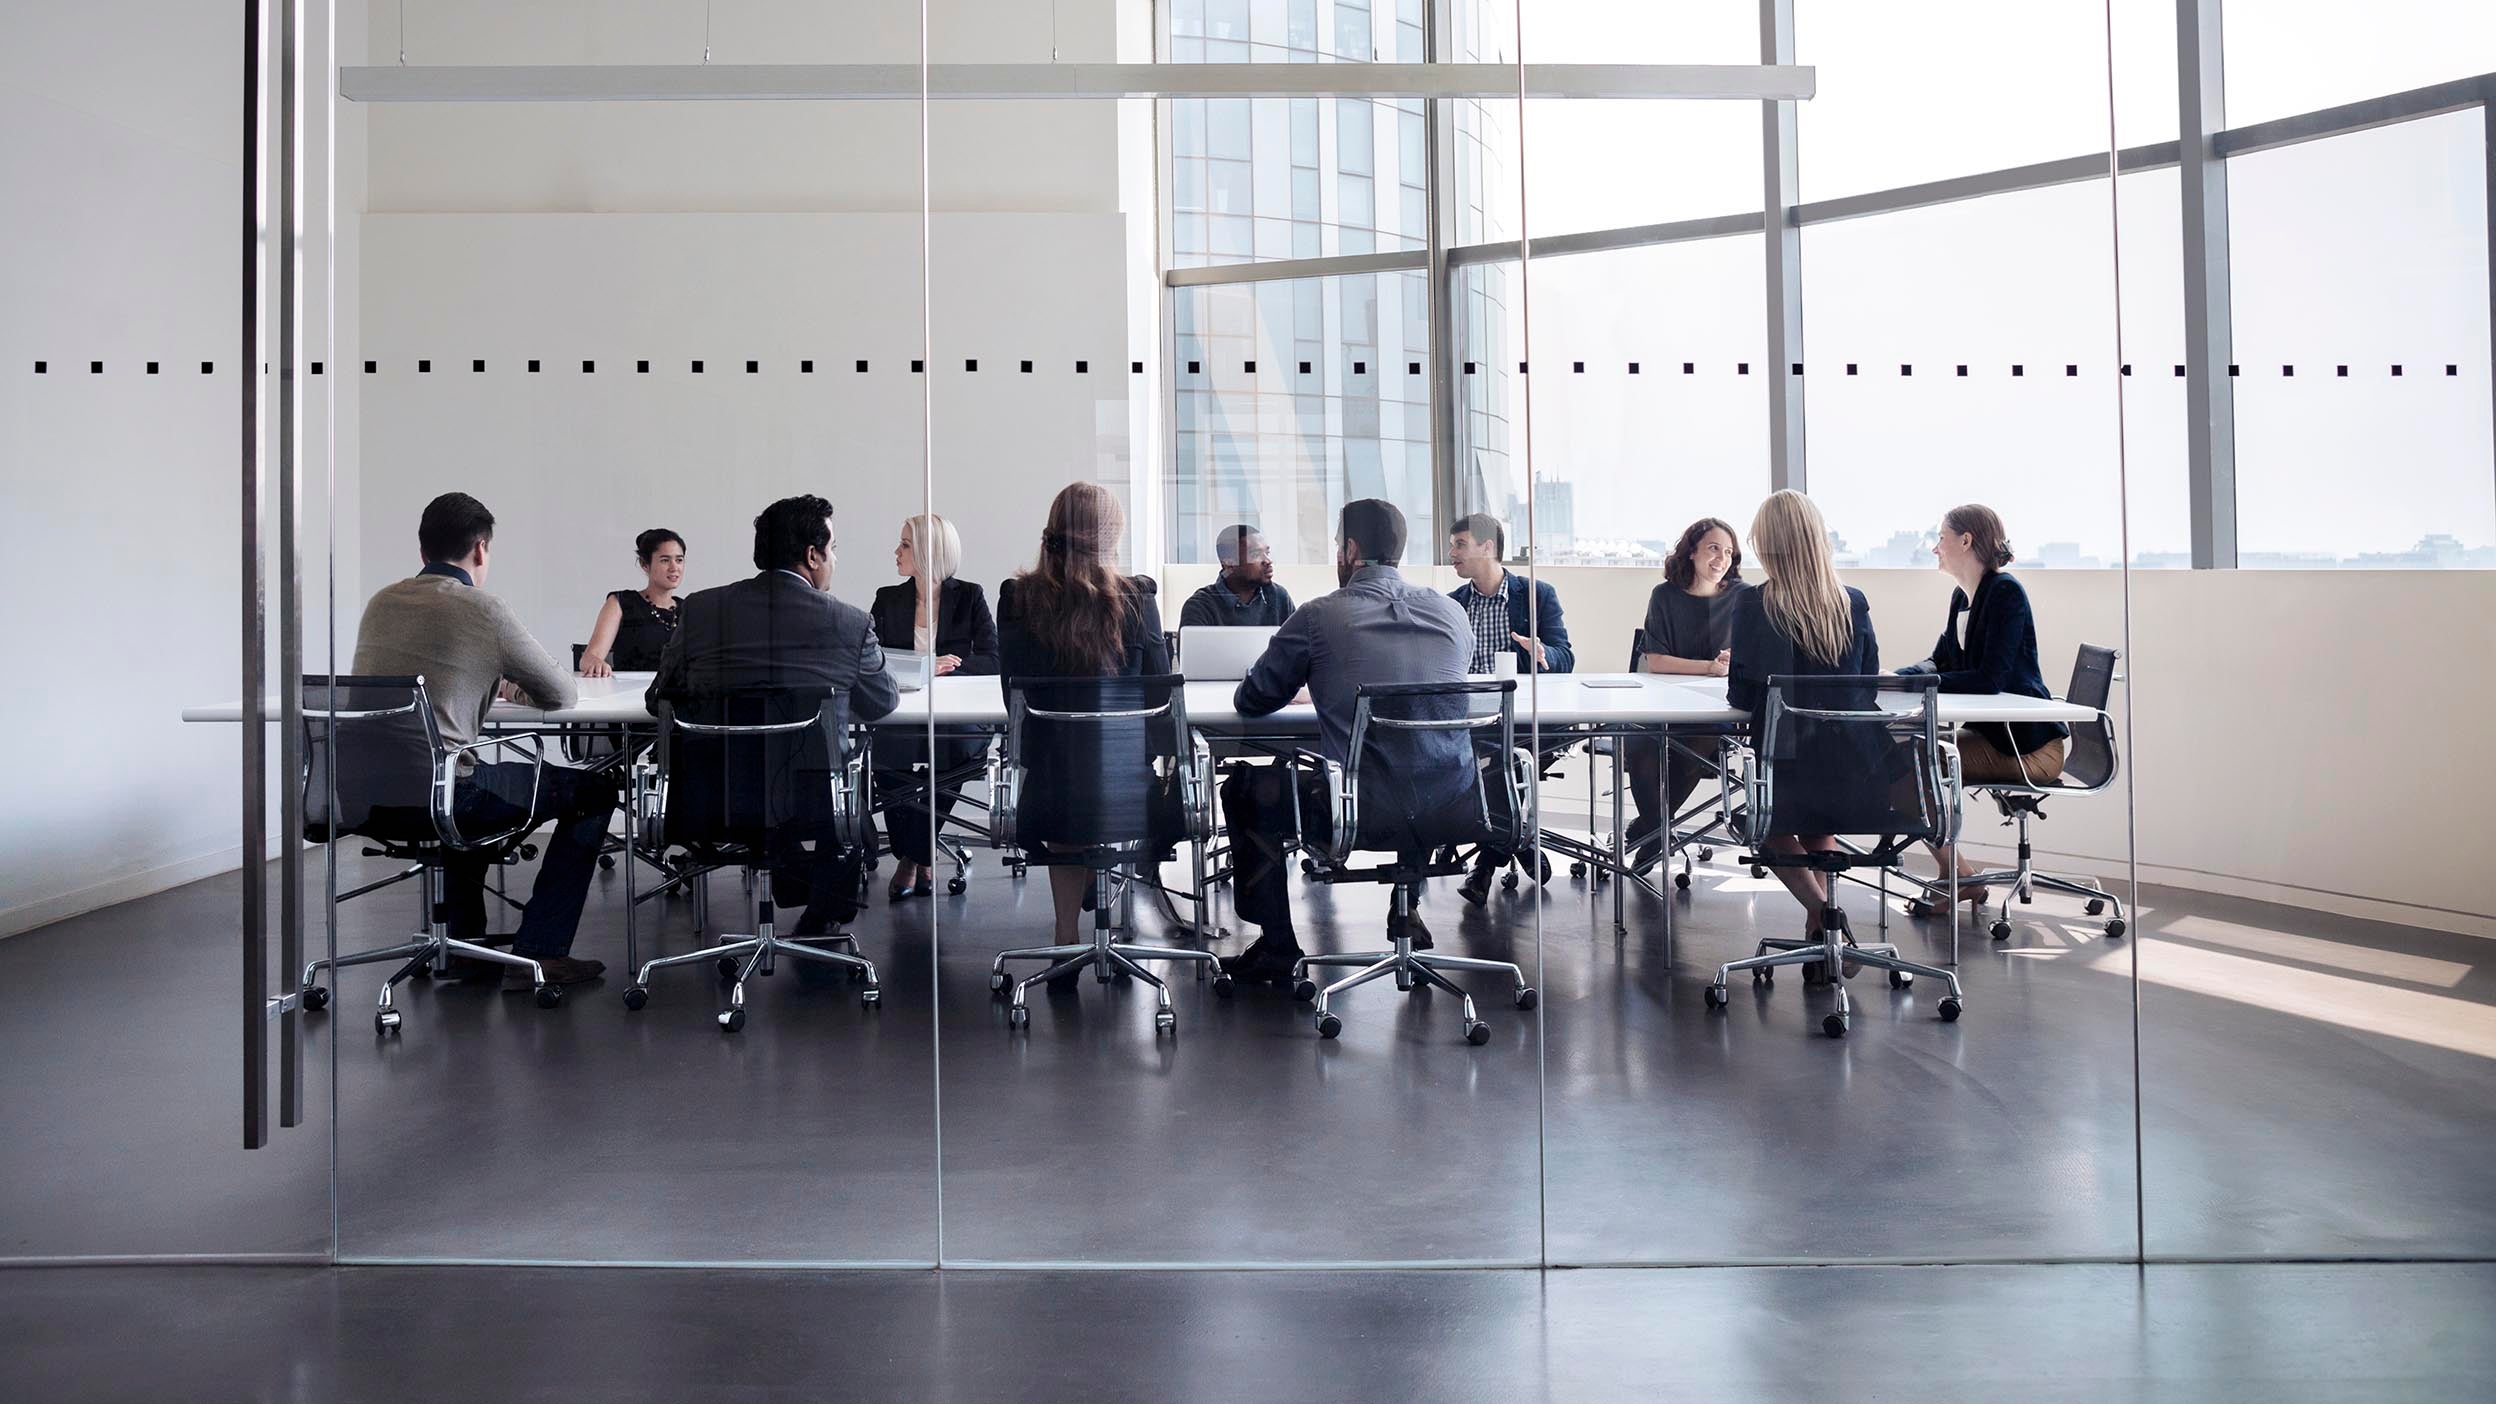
(469, 648)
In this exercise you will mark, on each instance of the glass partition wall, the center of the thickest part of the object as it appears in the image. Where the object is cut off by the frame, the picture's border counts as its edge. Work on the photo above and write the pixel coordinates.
(1083, 376)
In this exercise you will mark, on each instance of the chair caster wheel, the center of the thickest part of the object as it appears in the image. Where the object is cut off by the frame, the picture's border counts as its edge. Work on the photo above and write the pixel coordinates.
(548, 996)
(1477, 1033)
(2001, 929)
(1021, 871)
(423, 972)
(1018, 1017)
(727, 967)
(1949, 1009)
(1303, 991)
(1815, 974)
(315, 999)
(1328, 1026)
(1920, 910)
(1508, 883)
(1308, 868)
(1526, 997)
(1222, 987)
(997, 982)
(871, 996)
(606, 862)
(1834, 1026)
(1716, 996)
(1577, 870)
(1757, 871)
(731, 1020)
(2093, 906)
(1707, 855)
(386, 1021)
(1899, 979)
(958, 886)
(1765, 975)
(1681, 881)
(1165, 1021)
(636, 998)
(2114, 929)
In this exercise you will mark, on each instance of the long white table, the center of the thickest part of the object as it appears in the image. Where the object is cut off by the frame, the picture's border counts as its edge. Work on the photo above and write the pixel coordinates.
(1556, 700)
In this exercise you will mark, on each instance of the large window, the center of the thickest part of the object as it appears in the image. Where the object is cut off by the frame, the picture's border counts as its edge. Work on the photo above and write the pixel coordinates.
(2352, 257)
(2289, 56)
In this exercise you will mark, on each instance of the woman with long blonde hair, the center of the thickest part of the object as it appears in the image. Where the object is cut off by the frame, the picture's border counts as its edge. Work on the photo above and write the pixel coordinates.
(1801, 621)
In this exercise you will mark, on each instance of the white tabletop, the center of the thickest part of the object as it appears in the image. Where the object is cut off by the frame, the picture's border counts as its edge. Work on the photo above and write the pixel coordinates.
(1560, 700)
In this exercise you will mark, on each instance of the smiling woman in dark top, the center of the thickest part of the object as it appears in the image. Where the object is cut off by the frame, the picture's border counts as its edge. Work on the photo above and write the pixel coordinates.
(1074, 615)
(1997, 652)
(634, 625)
(933, 613)
(1687, 632)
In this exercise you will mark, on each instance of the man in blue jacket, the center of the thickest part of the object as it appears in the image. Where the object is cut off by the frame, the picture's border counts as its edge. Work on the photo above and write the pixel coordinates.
(1505, 617)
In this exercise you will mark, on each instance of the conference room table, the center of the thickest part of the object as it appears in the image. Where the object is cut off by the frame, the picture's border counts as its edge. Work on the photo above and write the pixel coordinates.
(1568, 709)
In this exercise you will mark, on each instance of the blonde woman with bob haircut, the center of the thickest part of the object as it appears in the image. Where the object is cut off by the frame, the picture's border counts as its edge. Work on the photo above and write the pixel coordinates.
(1801, 621)
(933, 613)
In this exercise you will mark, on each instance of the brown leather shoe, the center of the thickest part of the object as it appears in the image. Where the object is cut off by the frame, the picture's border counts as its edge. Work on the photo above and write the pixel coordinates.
(560, 970)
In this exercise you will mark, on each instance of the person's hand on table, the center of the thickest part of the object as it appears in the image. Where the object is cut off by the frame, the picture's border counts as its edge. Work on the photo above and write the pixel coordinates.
(1722, 664)
(510, 691)
(1534, 649)
(1300, 698)
(593, 666)
(946, 663)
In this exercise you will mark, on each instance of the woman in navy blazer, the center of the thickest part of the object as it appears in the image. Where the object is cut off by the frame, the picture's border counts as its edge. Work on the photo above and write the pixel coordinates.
(1801, 622)
(1995, 652)
(961, 636)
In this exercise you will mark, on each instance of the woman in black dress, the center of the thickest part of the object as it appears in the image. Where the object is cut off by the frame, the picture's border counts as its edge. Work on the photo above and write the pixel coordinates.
(1075, 615)
(634, 625)
(1688, 630)
(929, 612)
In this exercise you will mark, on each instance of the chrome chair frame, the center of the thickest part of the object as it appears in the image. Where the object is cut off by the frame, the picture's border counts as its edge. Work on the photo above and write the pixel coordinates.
(429, 951)
(1835, 954)
(1412, 970)
(1106, 956)
(2021, 801)
(740, 957)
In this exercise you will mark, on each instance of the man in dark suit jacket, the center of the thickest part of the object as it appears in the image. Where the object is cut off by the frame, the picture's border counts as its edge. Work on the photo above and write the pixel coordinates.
(782, 629)
(1504, 618)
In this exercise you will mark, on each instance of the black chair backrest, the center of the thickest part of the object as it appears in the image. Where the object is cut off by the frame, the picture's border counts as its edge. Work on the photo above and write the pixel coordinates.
(738, 766)
(1638, 650)
(577, 650)
(1838, 762)
(377, 737)
(1430, 764)
(2091, 760)
(1100, 760)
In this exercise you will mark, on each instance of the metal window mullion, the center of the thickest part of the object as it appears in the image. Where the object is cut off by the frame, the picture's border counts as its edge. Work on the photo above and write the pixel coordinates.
(2487, 215)
(255, 917)
(2209, 334)
(1439, 158)
(288, 198)
(1780, 195)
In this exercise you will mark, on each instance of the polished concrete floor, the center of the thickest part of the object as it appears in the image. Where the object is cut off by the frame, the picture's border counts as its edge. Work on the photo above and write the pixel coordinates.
(2370, 1332)
(2315, 1087)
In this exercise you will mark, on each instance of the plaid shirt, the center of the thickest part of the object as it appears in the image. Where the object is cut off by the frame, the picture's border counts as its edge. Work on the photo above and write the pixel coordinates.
(1491, 630)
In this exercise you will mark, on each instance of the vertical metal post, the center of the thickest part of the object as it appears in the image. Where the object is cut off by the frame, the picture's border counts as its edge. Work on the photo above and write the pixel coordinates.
(255, 647)
(1781, 191)
(1439, 152)
(2209, 333)
(2487, 152)
(289, 196)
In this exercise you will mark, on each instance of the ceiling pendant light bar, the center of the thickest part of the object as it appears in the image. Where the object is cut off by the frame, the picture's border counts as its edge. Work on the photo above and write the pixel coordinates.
(1029, 81)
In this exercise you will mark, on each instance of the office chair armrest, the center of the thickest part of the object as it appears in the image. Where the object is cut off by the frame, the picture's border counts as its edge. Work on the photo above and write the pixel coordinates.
(1196, 789)
(1005, 792)
(446, 782)
(1744, 772)
(849, 798)
(645, 805)
(1946, 755)
(1343, 801)
(1525, 789)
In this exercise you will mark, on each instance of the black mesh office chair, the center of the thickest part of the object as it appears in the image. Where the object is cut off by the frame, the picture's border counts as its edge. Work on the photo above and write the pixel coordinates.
(1105, 774)
(759, 768)
(2088, 767)
(1434, 767)
(1829, 758)
(397, 786)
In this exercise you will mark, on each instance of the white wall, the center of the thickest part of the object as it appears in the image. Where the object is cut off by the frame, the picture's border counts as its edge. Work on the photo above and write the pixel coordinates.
(120, 142)
(2316, 738)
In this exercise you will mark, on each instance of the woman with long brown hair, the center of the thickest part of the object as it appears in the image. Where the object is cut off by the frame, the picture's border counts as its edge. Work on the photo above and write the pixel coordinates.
(1801, 621)
(1688, 631)
(1073, 614)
